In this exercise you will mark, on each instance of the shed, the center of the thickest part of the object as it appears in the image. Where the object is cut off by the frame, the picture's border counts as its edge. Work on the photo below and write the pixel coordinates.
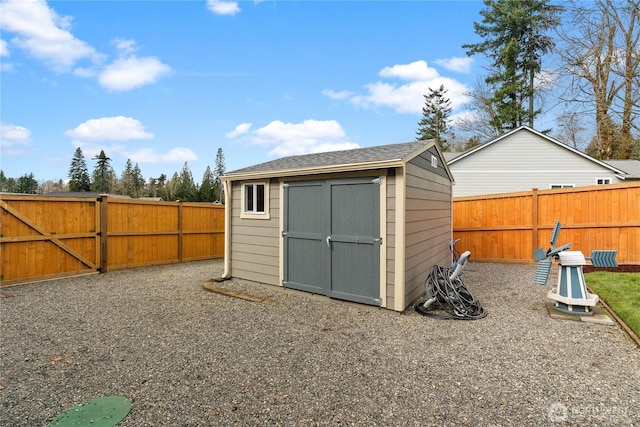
(363, 225)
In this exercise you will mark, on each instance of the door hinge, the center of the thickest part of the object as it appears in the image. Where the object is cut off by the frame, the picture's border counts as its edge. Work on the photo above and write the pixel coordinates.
(378, 240)
(284, 233)
(377, 180)
(285, 185)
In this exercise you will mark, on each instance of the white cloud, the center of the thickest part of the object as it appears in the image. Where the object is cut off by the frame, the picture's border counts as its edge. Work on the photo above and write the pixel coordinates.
(310, 136)
(223, 7)
(546, 79)
(125, 46)
(241, 129)
(129, 73)
(418, 70)
(406, 96)
(4, 49)
(457, 64)
(46, 36)
(14, 139)
(43, 34)
(149, 155)
(332, 94)
(118, 128)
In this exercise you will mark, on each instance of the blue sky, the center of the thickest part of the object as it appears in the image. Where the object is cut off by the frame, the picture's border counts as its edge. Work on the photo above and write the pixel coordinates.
(164, 82)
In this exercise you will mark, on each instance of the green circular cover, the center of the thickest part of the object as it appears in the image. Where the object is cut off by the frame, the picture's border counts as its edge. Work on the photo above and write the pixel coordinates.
(104, 411)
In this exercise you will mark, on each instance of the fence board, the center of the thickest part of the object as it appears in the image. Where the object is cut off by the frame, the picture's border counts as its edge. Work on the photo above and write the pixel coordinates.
(508, 227)
(48, 237)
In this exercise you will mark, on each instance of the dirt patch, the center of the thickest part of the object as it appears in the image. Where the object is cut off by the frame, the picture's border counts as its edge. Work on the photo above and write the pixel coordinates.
(629, 268)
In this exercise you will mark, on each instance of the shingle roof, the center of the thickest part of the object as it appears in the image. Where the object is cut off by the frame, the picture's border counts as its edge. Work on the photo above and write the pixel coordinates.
(379, 153)
(631, 167)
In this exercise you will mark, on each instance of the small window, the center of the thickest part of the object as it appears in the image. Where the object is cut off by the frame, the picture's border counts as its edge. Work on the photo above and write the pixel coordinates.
(434, 161)
(255, 200)
(558, 186)
(603, 181)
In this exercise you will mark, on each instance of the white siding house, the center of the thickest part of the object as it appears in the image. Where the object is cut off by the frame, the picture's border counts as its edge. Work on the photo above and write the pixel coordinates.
(524, 159)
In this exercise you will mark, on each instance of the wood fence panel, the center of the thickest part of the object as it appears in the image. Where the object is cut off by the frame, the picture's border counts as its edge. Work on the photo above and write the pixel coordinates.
(141, 233)
(45, 238)
(508, 227)
(202, 231)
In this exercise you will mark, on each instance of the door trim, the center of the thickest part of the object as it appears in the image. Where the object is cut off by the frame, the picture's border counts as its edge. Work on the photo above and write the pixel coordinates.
(383, 204)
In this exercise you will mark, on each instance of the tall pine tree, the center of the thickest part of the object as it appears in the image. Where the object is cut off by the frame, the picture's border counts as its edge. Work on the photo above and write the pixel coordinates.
(435, 116)
(78, 173)
(207, 188)
(186, 190)
(103, 174)
(514, 33)
(218, 172)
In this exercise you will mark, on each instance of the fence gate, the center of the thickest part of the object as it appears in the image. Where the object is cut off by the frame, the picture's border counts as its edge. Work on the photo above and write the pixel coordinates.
(47, 237)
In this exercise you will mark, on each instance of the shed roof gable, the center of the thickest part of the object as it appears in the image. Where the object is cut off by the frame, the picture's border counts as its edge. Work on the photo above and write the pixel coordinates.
(378, 156)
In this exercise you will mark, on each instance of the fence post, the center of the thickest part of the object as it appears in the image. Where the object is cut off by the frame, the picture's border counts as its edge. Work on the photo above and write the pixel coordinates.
(104, 231)
(180, 231)
(534, 218)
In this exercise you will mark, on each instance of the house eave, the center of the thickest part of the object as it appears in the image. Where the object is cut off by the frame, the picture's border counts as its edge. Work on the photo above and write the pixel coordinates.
(315, 170)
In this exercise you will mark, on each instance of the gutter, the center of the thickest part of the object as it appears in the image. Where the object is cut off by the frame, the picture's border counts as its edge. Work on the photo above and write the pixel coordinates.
(227, 230)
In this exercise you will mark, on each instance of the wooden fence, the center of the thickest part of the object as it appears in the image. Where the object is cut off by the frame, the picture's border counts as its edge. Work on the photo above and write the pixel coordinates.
(48, 237)
(508, 227)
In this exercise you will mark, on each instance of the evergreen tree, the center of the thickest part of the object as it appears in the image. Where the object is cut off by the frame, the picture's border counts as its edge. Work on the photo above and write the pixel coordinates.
(7, 185)
(435, 116)
(138, 181)
(207, 188)
(218, 188)
(102, 174)
(78, 173)
(127, 180)
(186, 189)
(159, 189)
(514, 33)
(171, 187)
(27, 184)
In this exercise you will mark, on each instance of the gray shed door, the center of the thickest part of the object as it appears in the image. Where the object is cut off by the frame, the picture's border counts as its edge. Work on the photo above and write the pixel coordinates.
(332, 238)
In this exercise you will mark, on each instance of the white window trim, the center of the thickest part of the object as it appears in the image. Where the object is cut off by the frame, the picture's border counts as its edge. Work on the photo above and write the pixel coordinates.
(604, 179)
(561, 186)
(255, 215)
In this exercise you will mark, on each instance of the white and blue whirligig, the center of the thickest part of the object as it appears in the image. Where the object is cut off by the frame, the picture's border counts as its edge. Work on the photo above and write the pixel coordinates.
(571, 295)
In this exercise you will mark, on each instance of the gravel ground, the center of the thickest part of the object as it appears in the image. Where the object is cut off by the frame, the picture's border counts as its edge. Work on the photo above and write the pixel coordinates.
(186, 357)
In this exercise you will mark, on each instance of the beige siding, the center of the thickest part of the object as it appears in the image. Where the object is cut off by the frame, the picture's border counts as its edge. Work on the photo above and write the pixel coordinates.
(255, 242)
(390, 241)
(427, 227)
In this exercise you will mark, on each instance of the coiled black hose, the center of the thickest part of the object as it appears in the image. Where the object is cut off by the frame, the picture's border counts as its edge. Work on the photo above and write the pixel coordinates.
(451, 296)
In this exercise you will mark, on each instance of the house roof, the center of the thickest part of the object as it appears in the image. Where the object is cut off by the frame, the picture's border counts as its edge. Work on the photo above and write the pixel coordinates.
(621, 173)
(631, 167)
(377, 157)
(450, 155)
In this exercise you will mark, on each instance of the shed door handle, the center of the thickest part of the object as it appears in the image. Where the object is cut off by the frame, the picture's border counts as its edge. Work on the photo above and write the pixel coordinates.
(329, 241)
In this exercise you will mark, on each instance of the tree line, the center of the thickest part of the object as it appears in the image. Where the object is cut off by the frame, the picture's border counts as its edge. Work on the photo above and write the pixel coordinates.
(104, 180)
(596, 77)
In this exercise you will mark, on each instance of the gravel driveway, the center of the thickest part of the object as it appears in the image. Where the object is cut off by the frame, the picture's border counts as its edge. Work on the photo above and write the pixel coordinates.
(186, 357)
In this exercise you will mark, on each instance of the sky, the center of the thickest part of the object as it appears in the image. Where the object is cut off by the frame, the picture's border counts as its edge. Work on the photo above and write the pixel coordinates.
(167, 82)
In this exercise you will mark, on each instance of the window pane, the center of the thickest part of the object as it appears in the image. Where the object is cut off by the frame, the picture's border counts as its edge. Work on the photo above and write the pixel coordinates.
(260, 197)
(248, 198)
